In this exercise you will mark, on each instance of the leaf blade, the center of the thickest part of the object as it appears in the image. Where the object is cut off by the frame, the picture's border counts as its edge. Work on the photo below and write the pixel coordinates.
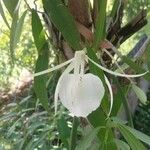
(86, 142)
(3, 15)
(100, 30)
(134, 143)
(42, 61)
(141, 136)
(64, 21)
(11, 6)
(140, 94)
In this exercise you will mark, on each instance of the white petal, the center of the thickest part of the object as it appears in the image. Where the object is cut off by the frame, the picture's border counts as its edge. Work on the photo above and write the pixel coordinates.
(116, 73)
(81, 94)
(67, 70)
(54, 68)
(111, 94)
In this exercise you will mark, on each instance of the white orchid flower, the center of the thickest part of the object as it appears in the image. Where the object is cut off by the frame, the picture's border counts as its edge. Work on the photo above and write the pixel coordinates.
(82, 93)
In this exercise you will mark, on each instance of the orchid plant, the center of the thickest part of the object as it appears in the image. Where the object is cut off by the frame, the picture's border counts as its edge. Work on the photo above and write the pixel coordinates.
(81, 93)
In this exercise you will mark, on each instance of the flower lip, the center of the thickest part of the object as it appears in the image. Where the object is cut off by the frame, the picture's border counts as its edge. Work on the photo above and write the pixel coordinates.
(81, 94)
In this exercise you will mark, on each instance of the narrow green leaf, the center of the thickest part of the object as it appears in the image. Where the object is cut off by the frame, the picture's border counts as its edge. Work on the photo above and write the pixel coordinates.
(140, 94)
(135, 67)
(87, 140)
(38, 32)
(15, 34)
(13, 127)
(64, 21)
(42, 137)
(40, 81)
(121, 145)
(3, 15)
(134, 143)
(100, 30)
(64, 131)
(141, 136)
(11, 6)
(42, 61)
(118, 121)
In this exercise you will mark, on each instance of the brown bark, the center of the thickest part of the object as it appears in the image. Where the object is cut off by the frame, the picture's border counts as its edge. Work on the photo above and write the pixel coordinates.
(80, 9)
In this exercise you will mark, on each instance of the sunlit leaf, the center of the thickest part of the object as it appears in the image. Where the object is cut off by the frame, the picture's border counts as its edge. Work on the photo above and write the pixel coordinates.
(16, 29)
(13, 31)
(11, 6)
(140, 94)
(64, 21)
(3, 15)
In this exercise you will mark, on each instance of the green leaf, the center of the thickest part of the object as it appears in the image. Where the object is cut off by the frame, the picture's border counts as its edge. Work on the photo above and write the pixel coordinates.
(135, 67)
(64, 131)
(101, 111)
(64, 21)
(100, 30)
(114, 8)
(13, 127)
(148, 56)
(11, 6)
(42, 137)
(42, 61)
(140, 94)
(118, 121)
(37, 31)
(117, 98)
(3, 15)
(93, 68)
(122, 145)
(73, 136)
(87, 140)
(124, 102)
(15, 33)
(134, 143)
(141, 136)
(32, 144)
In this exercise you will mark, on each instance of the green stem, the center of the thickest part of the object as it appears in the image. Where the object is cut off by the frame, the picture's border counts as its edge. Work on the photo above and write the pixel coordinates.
(73, 135)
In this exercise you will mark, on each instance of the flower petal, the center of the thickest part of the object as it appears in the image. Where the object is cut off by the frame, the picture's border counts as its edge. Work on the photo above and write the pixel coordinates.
(81, 94)
(56, 95)
(111, 94)
(116, 73)
(54, 68)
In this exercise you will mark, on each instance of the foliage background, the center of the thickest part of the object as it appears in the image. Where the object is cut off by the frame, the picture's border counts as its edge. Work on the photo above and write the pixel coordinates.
(30, 126)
